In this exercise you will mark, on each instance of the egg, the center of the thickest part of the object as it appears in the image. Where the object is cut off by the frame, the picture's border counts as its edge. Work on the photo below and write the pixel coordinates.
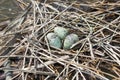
(54, 40)
(61, 32)
(70, 40)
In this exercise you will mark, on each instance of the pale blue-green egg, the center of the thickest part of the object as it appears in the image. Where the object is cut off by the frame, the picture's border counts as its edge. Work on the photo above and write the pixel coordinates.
(70, 40)
(61, 32)
(54, 40)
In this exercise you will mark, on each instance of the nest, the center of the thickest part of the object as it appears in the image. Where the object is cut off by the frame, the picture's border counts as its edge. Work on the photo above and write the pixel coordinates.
(25, 52)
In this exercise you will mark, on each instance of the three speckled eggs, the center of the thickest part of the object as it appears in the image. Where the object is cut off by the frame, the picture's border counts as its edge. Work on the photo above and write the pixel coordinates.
(61, 39)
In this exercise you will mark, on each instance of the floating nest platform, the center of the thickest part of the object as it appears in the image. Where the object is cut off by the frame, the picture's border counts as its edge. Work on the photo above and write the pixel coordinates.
(25, 53)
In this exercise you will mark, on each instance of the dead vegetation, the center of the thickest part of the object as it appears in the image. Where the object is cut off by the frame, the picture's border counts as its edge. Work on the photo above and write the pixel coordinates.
(26, 55)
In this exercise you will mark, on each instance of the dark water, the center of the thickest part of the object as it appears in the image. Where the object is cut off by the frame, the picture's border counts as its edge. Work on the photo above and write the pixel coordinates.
(8, 9)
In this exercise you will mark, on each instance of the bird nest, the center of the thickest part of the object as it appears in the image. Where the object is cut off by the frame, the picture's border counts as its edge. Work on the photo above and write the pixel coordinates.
(25, 52)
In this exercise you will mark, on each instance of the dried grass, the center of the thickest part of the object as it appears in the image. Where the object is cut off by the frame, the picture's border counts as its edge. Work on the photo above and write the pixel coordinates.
(26, 55)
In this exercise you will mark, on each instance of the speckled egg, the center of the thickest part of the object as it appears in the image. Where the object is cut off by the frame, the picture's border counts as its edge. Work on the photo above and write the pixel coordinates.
(70, 40)
(61, 32)
(54, 40)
